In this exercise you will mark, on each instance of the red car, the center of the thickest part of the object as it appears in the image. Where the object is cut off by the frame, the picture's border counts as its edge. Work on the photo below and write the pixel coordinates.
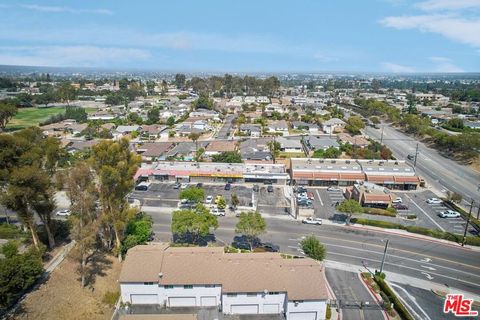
(310, 195)
(400, 206)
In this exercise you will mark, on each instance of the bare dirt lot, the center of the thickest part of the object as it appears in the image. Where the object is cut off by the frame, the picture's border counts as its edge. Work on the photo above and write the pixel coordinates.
(61, 296)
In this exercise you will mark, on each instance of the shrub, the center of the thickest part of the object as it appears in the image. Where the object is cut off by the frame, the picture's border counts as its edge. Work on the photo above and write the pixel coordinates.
(10, 231)
(411, 216)
(313, 248)
(381, 212)
(390, 295)
(111, 297)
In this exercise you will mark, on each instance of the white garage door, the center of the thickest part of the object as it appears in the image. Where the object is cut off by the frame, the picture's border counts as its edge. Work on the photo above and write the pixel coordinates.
(144, 299)
(244, 308)
(302, 316)
(181, 301)
(271, 308)
(208, 301)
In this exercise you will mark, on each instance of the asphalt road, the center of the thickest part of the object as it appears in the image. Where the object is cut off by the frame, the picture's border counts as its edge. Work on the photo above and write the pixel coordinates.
(224, 132)
(447, 264)
(441, 172)
(348, 288)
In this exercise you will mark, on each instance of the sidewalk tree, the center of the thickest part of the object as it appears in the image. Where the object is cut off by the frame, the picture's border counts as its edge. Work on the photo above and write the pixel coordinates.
(350, 207)
(193, 193)
(194, 136)
(44, 207)
(251, 224)
(115, 166)
(194, 223)
(234, 200)
(313, 248)
(82, 195)
(222, 203)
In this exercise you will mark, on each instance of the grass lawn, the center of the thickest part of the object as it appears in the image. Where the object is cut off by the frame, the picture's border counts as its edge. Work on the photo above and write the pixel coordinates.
(27, 117)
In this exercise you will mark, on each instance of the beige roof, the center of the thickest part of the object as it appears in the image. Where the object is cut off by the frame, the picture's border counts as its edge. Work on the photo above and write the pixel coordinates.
(303, 279)
(158, 317)
(221, 146)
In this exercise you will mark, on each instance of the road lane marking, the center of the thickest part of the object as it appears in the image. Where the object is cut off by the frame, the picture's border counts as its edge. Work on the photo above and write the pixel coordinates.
(439, 226)
(426, 317)
(405, 267)
(426, 260)
(427, 267)
(429, 277)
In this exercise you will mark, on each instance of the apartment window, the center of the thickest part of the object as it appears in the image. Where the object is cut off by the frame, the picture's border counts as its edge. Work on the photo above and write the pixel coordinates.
(272, 293)
(188, 286)
(148, 283)
(168, 287)
(251, 294)
(231, 294)
(209, 286)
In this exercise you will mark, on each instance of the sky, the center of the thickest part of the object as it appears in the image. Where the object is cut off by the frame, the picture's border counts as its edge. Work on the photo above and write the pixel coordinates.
(399, 36)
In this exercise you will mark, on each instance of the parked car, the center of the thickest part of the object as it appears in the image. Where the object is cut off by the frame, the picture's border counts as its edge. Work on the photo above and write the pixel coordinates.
(256, 188)
(270, 188)
(184, 186)
(142, 186)
(400, 206)
(311, 220)
(305, 202)
(228, 186)
(310, 195)
(209, 199)
(300, 189)
(397, 200)
(410, 157)
(217, 212)
(63, 213)
(449, 214)
(176, 185)
(434, 201)
(269, 247)
(199, 185)
(332, 188)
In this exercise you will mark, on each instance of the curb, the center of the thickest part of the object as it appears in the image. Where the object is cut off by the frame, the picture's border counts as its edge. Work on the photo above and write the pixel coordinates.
(374, 295)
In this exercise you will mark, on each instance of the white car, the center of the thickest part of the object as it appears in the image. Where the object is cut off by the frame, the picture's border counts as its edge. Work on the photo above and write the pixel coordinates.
(184, 186)
(333, 189)
(311, 220)
(449, 214)
(63, 213)
(217, 212)
(397, 200)
(434, 201)
(209, 200)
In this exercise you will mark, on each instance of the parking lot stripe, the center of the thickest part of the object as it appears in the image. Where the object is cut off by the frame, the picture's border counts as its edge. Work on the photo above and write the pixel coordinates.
(320, 198)
(439, 226)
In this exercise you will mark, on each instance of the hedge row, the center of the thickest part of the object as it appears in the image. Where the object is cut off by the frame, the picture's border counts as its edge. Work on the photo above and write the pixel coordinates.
(474, 241)
(381, 212)
(397, 304)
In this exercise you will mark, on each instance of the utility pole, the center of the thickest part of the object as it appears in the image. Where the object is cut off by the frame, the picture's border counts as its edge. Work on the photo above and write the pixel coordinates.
(416, 155)
(384, 255)
(381, 137)
(466, 225)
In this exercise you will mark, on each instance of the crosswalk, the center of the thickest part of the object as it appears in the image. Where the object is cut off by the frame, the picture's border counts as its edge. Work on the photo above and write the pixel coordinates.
(296, 246)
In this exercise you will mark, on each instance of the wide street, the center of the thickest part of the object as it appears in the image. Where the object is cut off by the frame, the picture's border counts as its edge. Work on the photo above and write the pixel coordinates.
(440, 263)
(438, 171)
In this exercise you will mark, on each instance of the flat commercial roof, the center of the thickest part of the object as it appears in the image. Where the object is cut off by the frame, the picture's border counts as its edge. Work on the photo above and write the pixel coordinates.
(303, 279)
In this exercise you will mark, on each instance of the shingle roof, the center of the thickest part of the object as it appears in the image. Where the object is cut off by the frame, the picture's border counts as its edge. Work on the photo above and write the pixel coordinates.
(303, 279)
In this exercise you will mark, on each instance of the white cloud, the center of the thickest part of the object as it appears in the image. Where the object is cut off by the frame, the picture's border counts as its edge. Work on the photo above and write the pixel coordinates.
(451, 26)
(443, 64)
(396, 68)
(85, 56)
(432, 5)
(55, 9)
(319, 56)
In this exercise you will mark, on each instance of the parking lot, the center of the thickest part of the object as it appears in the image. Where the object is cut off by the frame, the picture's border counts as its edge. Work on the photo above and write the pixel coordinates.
(163, 194)
(426, 214)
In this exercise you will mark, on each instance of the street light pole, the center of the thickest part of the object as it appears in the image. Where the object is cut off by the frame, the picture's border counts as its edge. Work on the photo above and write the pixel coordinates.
(381, 137)
(466, 225)
(416, 155)
(384, 255)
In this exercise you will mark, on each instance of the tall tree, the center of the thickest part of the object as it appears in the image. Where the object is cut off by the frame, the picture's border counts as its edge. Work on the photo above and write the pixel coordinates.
(180, 80)
(350, 207)
(194, 137)
(313, 248)
(44, 207)
(66, 92)
(194, 223)
(251, 224)
(82, 195)
(7, 112)
(115, 166)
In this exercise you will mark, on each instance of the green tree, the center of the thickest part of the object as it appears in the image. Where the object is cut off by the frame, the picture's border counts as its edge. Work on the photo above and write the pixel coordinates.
(180, 80)
(350, 207)
(227, 157)
(170, 121)
(139, 231)
(153, 115)
(313, 248)
(274, 147)
(82, 194)
(354, 124)
(196, 223)
(194, 136)
(115, 166)
(203, 102)
(7, 112)
(375, 120)
(411, 104)
(221, 203)
(193, 193)
(234, 201)
(66, 92)
(251, 224)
